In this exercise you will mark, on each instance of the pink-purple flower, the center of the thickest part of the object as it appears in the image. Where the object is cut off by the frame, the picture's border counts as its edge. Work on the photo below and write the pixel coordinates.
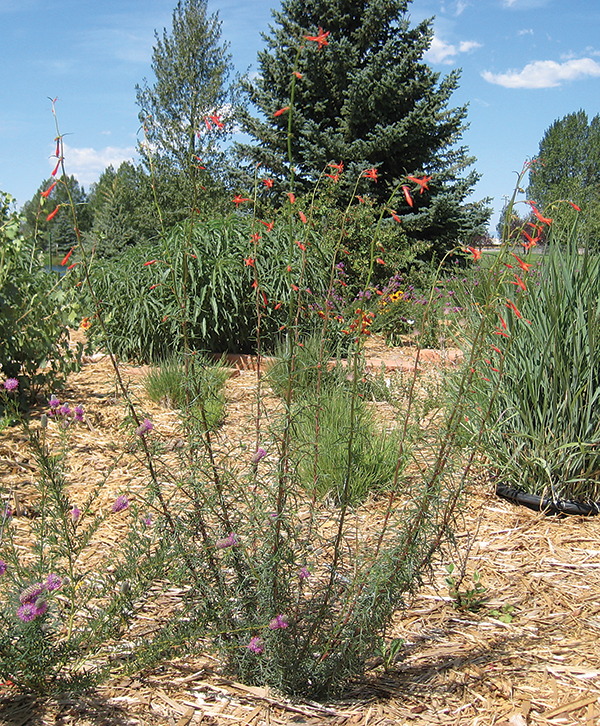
(75, 514)
(304, 573)
(144, 427)
(231, 541)
(78, 413)
(256, 645)
(2, 567)
(10, 384)
(53, 582)
(121, 503)
(260, 454)
(278, 622)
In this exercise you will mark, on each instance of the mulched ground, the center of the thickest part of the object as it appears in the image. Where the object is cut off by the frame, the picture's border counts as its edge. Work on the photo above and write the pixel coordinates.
(459, 667)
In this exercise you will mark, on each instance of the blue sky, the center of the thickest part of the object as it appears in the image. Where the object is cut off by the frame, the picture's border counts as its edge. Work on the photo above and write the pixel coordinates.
(525, 63)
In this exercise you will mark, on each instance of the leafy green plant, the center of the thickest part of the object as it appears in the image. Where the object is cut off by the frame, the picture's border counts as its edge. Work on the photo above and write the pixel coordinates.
(504, 614)
(35, 310)
(471, 598)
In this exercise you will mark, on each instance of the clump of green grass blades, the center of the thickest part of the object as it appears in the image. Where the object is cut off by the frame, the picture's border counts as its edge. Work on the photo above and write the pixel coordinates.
(543, 431)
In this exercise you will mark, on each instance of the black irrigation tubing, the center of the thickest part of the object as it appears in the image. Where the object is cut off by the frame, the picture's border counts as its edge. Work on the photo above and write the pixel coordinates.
(548, 505)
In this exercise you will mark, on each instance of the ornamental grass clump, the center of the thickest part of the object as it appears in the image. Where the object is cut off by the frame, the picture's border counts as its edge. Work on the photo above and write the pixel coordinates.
(538, 383)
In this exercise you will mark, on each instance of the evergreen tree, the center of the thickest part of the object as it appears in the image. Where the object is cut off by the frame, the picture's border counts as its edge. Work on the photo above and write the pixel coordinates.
(56, 235)
(363, 96)
(184, 113)
(568, 168)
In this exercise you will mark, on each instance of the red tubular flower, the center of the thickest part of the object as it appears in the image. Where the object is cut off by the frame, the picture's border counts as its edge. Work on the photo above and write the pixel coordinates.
(523, 265)
(409, 199)
(238, 199)
(255, 237)
(333, 177)
(380, 261)
(303, 217)
(277, 306)
(268, 225)
(249, 261)
(57, 146)
(321, 38)
(395, 216)
(371, 174)
(502, 321)
(338, 167)
(70, 267)
(519, 283)
(53, 214)
(292, 197)
(295, 288)
(511, 306)
(575, 207)
(47, 192)
(268, 183)
(543, 220)
(56, 167)
(217, 121)
(66, 257)
(302, 247)
(421, 182)
(475, 252)
(208, 124)
(150, 262)
(281, 111)
(298, 74)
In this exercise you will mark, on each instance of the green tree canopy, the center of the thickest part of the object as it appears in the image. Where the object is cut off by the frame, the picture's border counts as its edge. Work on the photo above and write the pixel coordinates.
(567, 168)
(184, 112)
(365, 97)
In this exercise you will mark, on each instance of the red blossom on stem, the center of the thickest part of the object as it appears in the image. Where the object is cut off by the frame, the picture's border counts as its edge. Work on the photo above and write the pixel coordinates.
(281, 111)
(150, 262)
(298, 74)
(371, 174)
(53, 214)
(238, 199)
(303, 217)
(543, 220)
(519, 283)
(291, 196)
(475, 252)
(302, 247)
(421, 182)
(268, 225)
(249, 261)
(268, 183)
(66, 257)
(320, 38)
(409, 199)
(523, 265)
(575, 207)
(395, 216)
(338, 167)
(47, 192)
(56, 167)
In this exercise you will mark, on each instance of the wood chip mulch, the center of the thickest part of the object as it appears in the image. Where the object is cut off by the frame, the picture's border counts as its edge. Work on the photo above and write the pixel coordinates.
(458, 667)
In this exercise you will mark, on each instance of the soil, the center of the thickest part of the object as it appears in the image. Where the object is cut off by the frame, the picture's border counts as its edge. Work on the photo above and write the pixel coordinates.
(458, 667)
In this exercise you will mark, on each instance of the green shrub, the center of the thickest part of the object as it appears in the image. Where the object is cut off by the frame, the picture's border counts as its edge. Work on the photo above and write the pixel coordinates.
(204, 277)
(35, 310)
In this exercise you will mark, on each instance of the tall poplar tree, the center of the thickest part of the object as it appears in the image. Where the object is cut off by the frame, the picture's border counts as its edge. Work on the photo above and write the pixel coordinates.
(364, 96)
(184, 111)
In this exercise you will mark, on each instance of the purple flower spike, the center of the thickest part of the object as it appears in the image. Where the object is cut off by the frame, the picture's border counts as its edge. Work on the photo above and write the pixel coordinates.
(32, 593)
(2, 567)
(78, 413)
(260, 454)
(64, 410)
(75, 514)
(223, 544)
(120, 504)
(53, 582)
(10, 384)
(278, 622)
(304, 573)
(255, 645)
(144, 427)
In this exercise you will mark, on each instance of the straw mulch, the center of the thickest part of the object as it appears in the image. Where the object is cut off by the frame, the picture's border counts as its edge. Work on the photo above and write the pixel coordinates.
(458, 667)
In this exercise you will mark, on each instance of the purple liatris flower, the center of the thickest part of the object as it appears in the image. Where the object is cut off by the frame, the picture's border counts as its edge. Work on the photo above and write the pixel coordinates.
(53, 582)
(304, 573)
(11, 383)
(279, 621)
(144, 427)
(54, 402)
(255, 645)
(260, 454)
(2, 567)
(75, 514)
(32, 593)
(223, 544)
(120, 504)
(78, 413)
(64, 410)
(147, 521)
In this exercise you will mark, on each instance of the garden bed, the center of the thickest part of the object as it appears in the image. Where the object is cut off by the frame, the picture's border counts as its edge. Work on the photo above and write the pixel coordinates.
(543, 667)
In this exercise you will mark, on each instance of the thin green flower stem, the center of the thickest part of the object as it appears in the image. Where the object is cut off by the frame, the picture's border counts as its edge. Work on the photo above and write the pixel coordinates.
(122, 387)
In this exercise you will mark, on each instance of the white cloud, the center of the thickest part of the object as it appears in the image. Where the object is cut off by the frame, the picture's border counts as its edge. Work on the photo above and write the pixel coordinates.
(545, 74)
(440, 52)
(526, 31)
(86, 165)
